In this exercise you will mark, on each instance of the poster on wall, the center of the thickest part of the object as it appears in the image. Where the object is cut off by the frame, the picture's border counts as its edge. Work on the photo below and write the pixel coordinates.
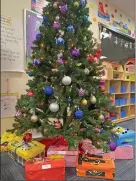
(37, 5)
(32, 23)
(12, 45)
(103, 11)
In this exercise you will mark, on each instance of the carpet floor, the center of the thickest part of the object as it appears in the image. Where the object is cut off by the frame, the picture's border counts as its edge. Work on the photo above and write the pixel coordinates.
(125, 169)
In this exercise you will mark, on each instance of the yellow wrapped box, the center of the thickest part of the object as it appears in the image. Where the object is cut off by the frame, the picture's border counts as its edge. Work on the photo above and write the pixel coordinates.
(22, 151)
(6, 138)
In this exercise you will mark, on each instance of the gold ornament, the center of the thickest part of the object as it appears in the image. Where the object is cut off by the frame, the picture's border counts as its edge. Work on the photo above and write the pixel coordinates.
(55, 5)
(42, 45)
(101, 117)
(93, 99)
(84, 102)
(34, 118)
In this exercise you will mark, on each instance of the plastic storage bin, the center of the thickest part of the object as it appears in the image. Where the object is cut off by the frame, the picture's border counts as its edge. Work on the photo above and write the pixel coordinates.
(117, 102)
(132, 89)
(123, 89)
(112, 89)
(123, 113)
(132, 100)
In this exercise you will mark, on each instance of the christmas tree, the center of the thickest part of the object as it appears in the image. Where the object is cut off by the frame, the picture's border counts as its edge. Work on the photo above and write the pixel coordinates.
(66, 93)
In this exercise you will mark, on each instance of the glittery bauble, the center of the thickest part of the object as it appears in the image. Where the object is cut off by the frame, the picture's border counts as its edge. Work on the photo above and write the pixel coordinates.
(57, 18)
(60, 41)
(112, 146)
(101, 117)
(85, 18)
(39, 36)
(93, 99)
(34, 118)
(56, 25)
(36, 62)
(55, 5)
(84, 102)
(87, 71)
(30, 93)
(75, 52)
(78, 114)
(30, 74)
(63, 9)
(57, 125)
(102, 88)
(81, 92)
(91, 59)
(102, 81)
(82, 2)
(48, 90)
(113, 131)
(66, 80)
(76, 4)
(112, 114)
(27, 137)
(54, 107)
(45, 19)
(111, 99)
(71, 28)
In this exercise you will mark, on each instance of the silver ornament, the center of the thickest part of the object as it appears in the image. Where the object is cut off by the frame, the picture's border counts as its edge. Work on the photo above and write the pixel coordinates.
(34, 118)
(57, 18)
(86, 71)
(93, 99)
(101, 117)
(66, 80)
(54, 107)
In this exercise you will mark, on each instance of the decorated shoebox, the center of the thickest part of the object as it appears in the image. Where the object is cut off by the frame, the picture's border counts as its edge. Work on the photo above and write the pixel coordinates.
(50, 168)
(95, 166)
(22, 151)
(6, 138)
(124, 137)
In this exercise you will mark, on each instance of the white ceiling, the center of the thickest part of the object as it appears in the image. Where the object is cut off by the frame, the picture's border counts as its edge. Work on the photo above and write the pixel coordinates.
(128, 6)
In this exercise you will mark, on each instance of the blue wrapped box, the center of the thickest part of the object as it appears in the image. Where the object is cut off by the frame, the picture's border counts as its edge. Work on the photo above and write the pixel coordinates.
(125, 137)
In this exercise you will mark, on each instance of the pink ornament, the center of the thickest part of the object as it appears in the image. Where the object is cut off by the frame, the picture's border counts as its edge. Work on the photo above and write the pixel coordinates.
(81, 92)
(56, 25)
(63, 9)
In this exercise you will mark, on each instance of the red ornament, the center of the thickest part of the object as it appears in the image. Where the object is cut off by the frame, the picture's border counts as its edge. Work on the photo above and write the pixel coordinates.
(108, 119)
(57, 125)
(97, 55)
(30, 93)
(101, 81)
(102, 88)
(111, 99)
(112, 114)
(91, 58)
(27, 137)
(112, 15)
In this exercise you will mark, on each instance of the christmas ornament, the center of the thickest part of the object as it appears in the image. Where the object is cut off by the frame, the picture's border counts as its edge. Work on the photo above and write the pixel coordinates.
(84, 102)
(61, 32)
(27, 137)
(34, 118)
(91, 59)
(81, 92)
(75, 52)
(60, 41)
(82, 2)
(56, 25)
(45, 19)
(30, 74)
(93, 99)
(102, 81)
(69, 100)
(101, 117)
(102, 88)
(78, 114)
(113, 131)
(112, 146)
(112, 114)
(76, 4)
(57, 125)
(86, 71)
(107, 119)
(39, 36)
(55, 5)
(57, 18)
(85, 38)
(54, 107)
(71, 28)
(63, 9)
(85, 18)
(111, 99)
(42, 45)
(36, 62)
(30, 93)
(48, 90)
(18, 113)
(66, 80)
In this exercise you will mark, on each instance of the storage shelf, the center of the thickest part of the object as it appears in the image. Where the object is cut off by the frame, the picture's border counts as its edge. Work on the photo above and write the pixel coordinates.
(123, 105)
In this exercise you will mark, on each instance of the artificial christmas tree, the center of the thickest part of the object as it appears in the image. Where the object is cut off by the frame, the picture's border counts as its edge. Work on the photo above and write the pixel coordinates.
(65, 97)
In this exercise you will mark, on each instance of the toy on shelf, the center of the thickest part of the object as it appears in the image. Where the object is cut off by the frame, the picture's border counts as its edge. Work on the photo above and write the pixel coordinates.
(129, 69)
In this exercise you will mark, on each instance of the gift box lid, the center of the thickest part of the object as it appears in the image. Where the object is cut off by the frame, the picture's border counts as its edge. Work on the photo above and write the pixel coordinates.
(94, 162)
(26, 150)
(43, 164)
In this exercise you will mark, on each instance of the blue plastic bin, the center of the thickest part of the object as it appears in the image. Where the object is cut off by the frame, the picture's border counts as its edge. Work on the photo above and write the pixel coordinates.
(123, 113)
(112, 89)
(123, 89)
(117, 102)
(132, 100)
(132, 89)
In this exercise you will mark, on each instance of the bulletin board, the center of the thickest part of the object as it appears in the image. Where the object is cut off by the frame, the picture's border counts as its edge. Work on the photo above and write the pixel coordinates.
(8, 103)
(32, 23)
(12, 45)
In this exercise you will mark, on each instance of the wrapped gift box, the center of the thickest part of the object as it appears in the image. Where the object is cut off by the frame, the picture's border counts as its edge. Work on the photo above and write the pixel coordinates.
(22, 151)
(45, 169)
(69, 156)
(124, 137)
(95, 166)
(6, 138)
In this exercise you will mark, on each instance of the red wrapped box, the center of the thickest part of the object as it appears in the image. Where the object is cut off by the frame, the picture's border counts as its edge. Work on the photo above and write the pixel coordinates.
(52, 168)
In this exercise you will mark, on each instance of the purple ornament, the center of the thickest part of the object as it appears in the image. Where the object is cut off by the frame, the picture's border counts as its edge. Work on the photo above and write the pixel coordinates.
(60, 61)
(112, 146)
(63, 9)
(81, 92)
(75, 52)
(56, 25)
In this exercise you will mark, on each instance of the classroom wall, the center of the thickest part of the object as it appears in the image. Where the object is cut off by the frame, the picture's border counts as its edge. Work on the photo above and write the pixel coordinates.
(14, 8)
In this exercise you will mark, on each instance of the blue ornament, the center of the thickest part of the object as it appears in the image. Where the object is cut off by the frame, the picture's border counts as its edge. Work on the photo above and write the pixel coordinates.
(71, 28)
(78, 114)
(85, 18)
(36, 61)
(60, 41)
(69, 99)
(30, 74)
(82, 2)
(45, 19)
(48, 90)
(39, 36)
